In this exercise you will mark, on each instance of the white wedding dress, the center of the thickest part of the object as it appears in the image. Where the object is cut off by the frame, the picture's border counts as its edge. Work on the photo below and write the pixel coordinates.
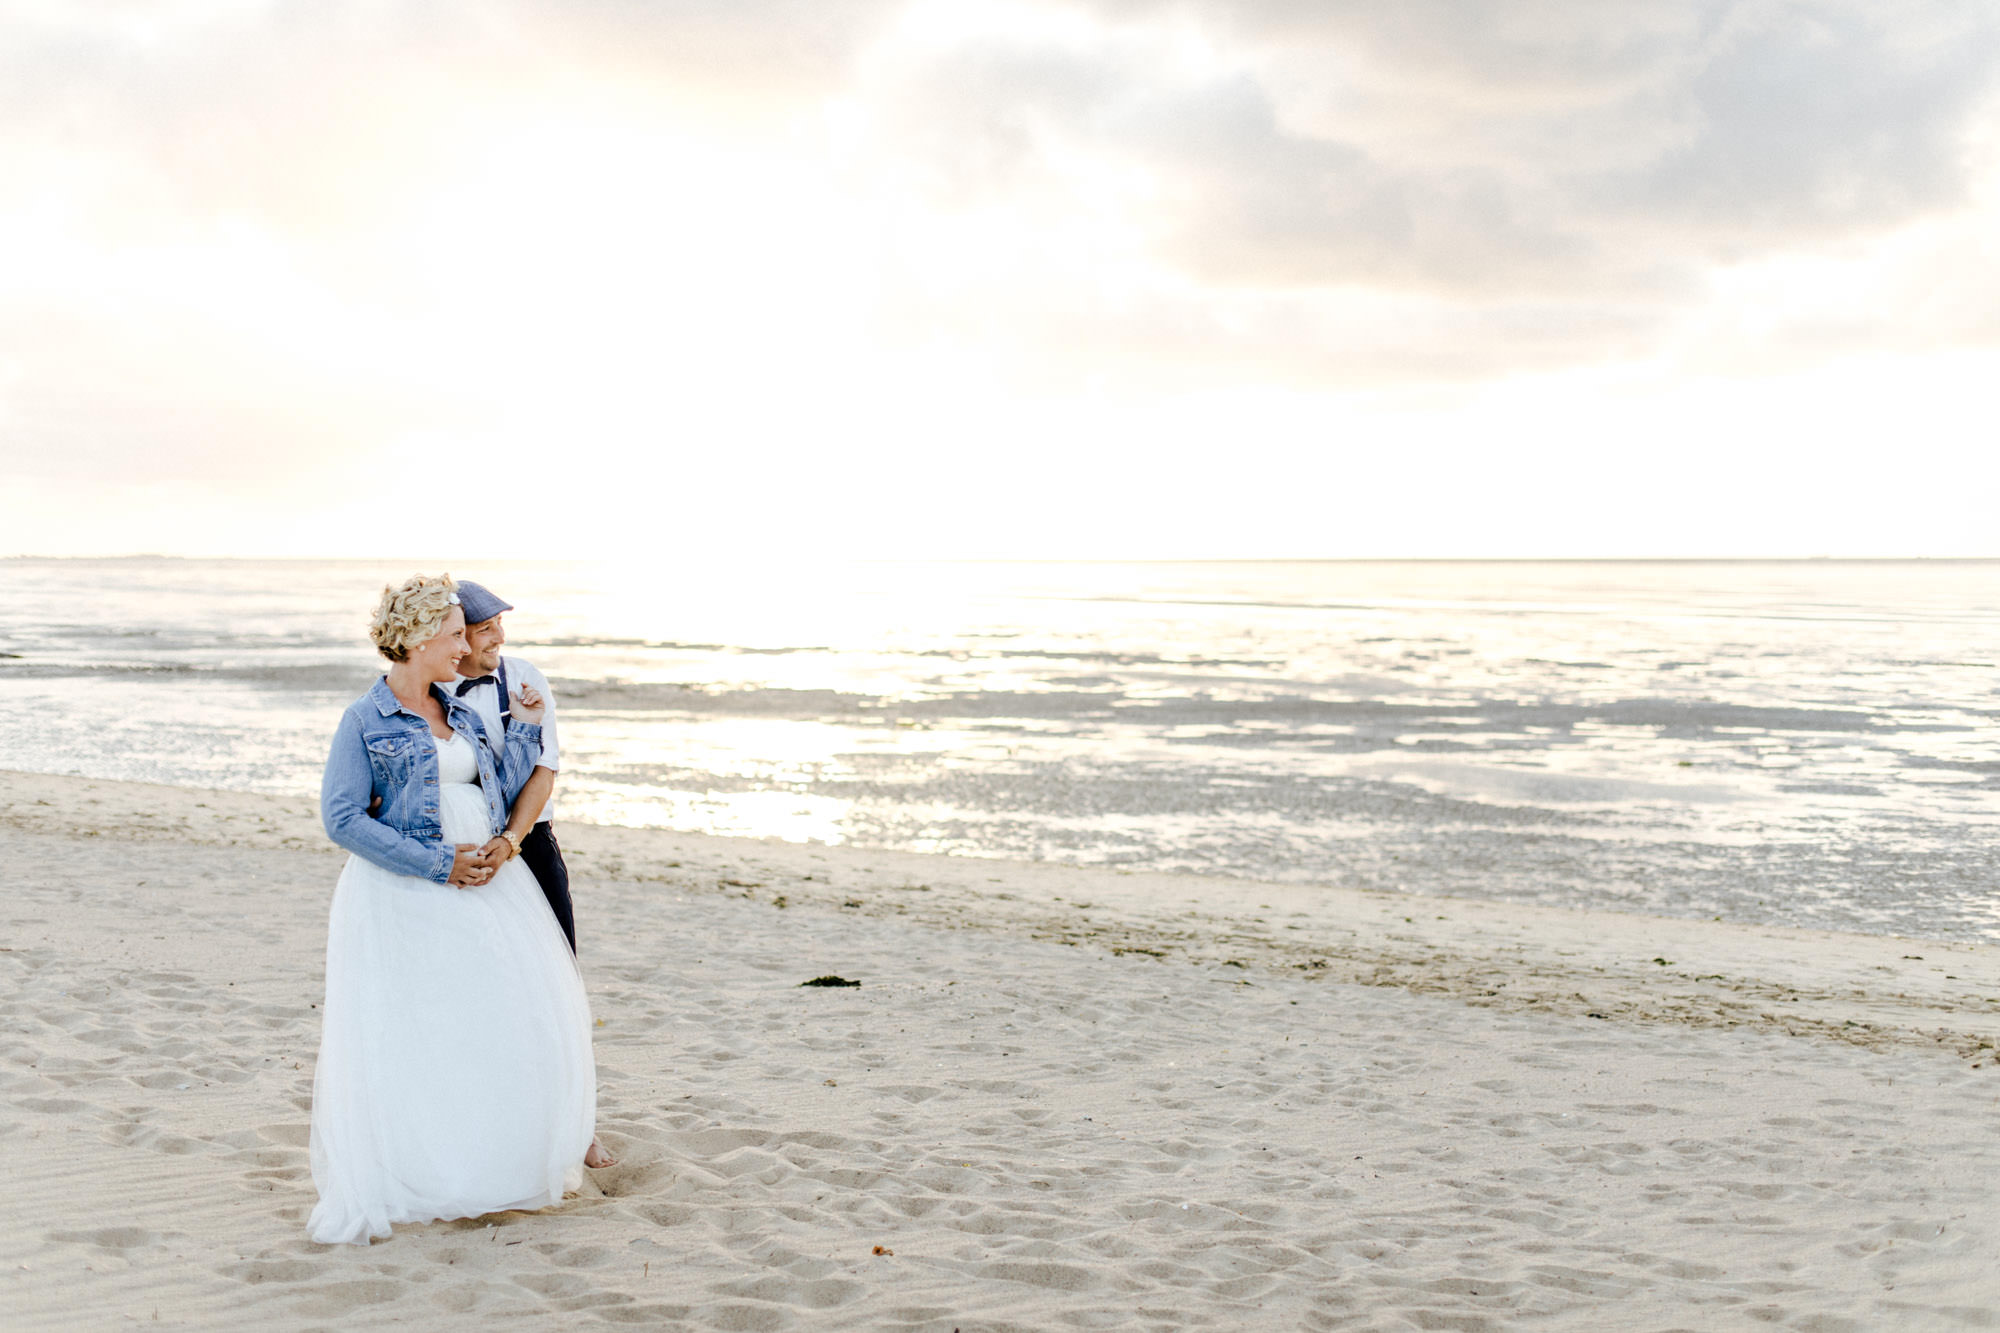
(455, 1075)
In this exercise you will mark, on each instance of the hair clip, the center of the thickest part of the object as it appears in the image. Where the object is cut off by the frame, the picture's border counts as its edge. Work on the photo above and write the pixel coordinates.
(452, 597)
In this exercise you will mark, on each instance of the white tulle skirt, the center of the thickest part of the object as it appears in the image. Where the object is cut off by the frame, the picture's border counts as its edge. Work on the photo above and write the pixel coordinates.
(455, 1075)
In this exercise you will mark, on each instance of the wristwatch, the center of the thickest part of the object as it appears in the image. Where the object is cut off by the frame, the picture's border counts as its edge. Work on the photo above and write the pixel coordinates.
(514, 841)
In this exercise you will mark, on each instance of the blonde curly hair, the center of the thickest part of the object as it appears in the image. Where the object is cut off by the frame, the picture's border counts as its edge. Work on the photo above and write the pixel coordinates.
(411, 614)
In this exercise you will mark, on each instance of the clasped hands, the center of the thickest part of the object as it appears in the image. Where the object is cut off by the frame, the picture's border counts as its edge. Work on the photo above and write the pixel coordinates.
(473, 866)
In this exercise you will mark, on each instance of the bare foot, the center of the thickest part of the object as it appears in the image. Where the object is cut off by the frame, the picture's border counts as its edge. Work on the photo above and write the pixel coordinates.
(597, 1158)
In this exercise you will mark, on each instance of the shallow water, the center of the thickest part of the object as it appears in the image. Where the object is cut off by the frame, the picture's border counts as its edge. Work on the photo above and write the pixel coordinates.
(1793, 742)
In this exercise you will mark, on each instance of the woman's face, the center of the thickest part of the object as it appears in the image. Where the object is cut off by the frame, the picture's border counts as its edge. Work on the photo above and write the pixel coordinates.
(436, 658)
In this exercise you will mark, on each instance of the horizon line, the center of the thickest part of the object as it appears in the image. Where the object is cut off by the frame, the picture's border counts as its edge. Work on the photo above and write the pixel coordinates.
(1097, 560)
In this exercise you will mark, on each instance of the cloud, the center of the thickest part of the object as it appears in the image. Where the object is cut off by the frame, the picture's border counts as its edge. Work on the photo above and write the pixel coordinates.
(1503, 146)
(1801, 122)
(1495, 152)
(278, 232)
(1506, 187)
(1264, 205)
(1224, 191)
(321, 119)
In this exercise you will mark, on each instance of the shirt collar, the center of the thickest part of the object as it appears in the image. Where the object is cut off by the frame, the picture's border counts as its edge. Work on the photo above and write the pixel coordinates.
(497, 666)
(386, 702)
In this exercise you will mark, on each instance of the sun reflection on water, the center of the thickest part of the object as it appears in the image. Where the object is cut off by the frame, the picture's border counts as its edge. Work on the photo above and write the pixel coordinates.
(1768, 741)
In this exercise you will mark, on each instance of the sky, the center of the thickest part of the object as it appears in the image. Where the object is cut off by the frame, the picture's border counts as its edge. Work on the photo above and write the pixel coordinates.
(669, 281)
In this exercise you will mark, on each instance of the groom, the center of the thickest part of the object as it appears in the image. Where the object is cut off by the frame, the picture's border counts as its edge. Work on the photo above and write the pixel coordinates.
(487, 681)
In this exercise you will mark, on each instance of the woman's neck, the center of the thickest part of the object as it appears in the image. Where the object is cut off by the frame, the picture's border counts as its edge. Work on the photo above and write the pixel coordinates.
(408, 684)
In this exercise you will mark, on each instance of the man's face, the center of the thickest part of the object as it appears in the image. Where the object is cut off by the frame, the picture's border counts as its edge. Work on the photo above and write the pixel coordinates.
(485, 639)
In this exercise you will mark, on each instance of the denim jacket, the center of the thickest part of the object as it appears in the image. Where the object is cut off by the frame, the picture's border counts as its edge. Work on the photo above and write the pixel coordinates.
(382, 749)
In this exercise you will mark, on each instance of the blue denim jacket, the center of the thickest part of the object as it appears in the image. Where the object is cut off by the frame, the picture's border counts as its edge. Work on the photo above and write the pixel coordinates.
(382, 749)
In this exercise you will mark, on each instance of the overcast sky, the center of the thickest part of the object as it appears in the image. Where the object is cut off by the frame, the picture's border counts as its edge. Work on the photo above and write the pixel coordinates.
(1148, 278)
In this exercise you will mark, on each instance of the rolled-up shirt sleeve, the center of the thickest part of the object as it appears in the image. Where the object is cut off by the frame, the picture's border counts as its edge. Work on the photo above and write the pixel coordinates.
(551, 753)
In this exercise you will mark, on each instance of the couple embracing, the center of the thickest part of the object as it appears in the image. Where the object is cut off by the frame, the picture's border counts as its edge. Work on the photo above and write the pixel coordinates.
(455, 1075)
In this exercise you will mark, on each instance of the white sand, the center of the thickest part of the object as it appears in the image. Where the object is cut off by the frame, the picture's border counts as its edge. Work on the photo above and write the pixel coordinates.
(1301, 1109)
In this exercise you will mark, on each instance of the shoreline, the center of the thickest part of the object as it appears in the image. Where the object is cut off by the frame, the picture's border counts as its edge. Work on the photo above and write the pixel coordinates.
(1060, 1097)
(1867, 990)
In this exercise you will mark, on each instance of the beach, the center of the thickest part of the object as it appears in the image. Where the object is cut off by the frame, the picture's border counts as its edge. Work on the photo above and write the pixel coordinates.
(1059, 1098)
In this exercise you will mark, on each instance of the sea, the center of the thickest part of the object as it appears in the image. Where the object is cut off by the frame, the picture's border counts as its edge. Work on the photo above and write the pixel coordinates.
(1810, 743)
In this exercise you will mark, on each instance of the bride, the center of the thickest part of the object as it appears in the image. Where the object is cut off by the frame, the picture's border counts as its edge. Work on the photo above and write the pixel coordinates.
(455, 1075)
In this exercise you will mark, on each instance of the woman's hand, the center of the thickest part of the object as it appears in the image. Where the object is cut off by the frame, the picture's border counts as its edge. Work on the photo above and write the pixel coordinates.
(470, 867)
(527, 705)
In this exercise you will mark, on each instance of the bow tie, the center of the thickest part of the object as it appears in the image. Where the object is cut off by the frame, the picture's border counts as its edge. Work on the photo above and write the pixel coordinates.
(465, 685)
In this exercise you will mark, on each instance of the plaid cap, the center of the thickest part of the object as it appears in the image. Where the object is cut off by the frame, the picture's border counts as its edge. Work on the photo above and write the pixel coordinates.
(479, 604)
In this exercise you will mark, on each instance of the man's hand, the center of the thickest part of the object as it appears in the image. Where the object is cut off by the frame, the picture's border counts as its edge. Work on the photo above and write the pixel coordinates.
(497, 852)
(527, 705)
(470, 867)
(374, 806)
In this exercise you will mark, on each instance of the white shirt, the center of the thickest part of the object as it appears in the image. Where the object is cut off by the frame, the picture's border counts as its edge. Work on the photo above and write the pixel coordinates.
(485, 700)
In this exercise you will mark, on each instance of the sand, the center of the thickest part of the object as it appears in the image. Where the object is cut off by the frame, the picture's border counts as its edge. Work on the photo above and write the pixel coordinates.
(1059, 1099)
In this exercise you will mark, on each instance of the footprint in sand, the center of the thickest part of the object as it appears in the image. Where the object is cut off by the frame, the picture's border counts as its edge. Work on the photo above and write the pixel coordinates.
(119, 1239)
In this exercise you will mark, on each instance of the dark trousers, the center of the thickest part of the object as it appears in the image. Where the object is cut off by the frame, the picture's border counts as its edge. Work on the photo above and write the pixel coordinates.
(544, 856)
